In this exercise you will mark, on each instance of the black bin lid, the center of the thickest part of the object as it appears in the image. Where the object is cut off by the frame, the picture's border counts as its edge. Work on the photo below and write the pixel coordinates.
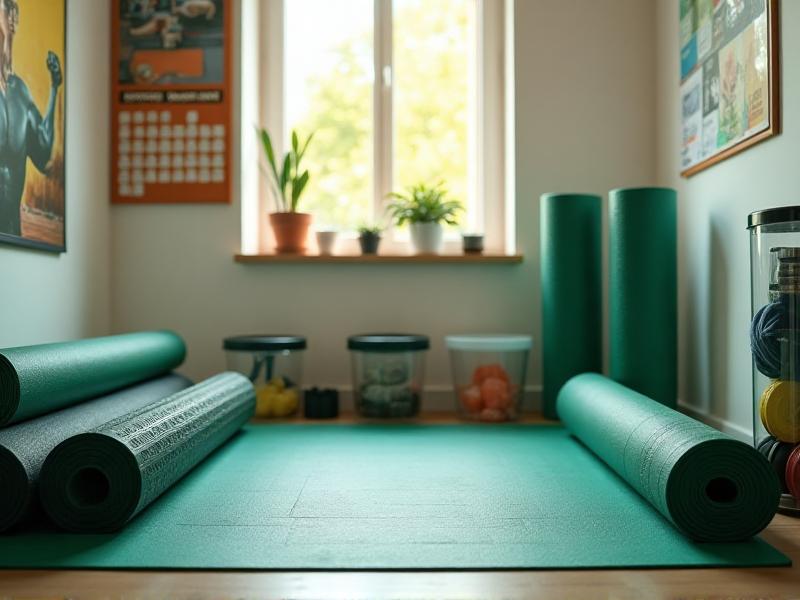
(771, 216)
(265, 342)
(388, 342)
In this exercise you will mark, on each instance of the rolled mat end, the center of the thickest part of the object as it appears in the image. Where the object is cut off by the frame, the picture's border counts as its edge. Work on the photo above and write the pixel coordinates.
(721, 490)
(94, 483)
(9, 390)
(14, 484)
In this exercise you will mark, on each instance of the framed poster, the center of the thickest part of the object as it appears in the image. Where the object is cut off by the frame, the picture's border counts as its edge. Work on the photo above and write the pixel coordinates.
(730, 88)
(32, 190)
(171, 105)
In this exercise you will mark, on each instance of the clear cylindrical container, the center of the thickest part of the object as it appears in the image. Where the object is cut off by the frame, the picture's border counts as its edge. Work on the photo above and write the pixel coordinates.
(775, 344)
(489, 375)
(388, 373)
(274, 363)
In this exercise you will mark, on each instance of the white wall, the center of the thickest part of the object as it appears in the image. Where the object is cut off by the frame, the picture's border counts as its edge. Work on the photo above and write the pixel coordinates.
(585, 122)
(714, 264)
(47, 297)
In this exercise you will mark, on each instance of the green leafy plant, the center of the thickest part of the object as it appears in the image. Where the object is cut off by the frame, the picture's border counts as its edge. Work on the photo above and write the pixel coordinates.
(369, 230)
(288, 182)
(422, 203)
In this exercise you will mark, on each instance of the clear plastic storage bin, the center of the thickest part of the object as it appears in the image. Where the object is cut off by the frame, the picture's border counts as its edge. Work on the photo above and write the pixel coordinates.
(388, 372)
(775, 344)
(274, 363)
(489, 375)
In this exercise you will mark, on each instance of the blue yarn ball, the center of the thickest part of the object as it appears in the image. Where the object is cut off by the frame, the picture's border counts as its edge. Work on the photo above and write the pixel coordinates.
(768, 328)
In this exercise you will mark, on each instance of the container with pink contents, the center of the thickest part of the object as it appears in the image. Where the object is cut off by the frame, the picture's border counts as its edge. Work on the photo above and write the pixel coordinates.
(489, 375)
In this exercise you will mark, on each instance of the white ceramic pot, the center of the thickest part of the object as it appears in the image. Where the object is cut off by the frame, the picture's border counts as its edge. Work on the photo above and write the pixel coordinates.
(427, 237)
(326, 241)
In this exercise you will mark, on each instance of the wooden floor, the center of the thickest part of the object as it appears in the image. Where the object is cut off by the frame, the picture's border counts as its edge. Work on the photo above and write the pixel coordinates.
(772, 583)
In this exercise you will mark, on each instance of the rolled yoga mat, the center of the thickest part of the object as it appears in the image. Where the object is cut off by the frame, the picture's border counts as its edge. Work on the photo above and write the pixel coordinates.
(24, 447)
(713, 488)
(98, 481)
(35, 380)
(643, 297)
(572, 318)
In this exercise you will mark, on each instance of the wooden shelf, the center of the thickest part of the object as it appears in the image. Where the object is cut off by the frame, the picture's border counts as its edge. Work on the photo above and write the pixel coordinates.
(381, 259)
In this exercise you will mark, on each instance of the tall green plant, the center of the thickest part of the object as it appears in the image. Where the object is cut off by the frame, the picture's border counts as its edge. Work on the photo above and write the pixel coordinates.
(422, 203)
(287, 181)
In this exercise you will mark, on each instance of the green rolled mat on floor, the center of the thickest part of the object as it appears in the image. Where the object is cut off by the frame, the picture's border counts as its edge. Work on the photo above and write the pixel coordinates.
(99, 480)
(643, 291)
(572, 318)
(25, 446)
(35, 380)
(712, 487)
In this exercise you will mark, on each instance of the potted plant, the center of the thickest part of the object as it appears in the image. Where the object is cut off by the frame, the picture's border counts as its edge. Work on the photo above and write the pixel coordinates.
(425, 208)
(288, 182)
(369, 237)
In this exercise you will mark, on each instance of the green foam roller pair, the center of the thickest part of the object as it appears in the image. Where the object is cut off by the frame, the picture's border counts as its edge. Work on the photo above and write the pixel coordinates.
(643, 291)
(571, 284)
(711, 487)
(35, 380)
(99, 480)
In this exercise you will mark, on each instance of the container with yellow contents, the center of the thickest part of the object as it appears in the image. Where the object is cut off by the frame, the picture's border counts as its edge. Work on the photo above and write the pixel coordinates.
(274, 363)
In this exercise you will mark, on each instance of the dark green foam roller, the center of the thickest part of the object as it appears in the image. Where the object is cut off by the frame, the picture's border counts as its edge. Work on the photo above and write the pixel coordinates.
(25, 446)
(99, 480)
(35, 380)
(572, 317)
(713, 488)
(643, 291)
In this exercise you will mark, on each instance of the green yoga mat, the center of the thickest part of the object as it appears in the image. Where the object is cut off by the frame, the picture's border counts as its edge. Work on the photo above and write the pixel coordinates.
(572, 317)
(99, 480)
(712, 487)
(35, 380)
(392, 497)
(643, 291)
(25, 446)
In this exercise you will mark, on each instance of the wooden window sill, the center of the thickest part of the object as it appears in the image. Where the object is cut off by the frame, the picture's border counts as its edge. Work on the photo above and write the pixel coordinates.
(463, 259)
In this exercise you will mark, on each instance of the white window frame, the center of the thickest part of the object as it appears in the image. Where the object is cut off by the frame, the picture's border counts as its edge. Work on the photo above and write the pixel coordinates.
(262, 24)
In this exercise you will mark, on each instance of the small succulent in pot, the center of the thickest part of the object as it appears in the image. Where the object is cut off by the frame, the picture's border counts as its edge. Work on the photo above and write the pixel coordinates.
(425, 208)
(369, 237)
(288, 182)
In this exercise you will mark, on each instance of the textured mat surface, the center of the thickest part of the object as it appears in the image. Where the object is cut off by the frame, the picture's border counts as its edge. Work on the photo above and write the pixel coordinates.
(392, 497)
(97, 481)
(35, 380)
(572, 299)
(714, 488)
(24, 447)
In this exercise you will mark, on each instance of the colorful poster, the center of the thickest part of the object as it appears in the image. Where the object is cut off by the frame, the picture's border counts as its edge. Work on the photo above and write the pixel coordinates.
(727, 57)
(171, 116)
(691, 109)
(32, 72)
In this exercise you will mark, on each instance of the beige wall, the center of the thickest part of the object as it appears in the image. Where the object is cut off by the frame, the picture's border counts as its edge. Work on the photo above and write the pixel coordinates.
(585, 121)
(47, 297)
(714, 267)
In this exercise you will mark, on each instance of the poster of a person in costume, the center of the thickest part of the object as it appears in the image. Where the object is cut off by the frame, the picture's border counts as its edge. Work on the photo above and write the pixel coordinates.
(32, 123)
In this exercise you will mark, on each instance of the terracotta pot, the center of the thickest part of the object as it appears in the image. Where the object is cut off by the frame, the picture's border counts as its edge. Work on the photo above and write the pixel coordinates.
(291, 231)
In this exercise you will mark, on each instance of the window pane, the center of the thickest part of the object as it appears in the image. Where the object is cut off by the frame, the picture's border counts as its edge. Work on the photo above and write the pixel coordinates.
(328, 71)
(434, 46)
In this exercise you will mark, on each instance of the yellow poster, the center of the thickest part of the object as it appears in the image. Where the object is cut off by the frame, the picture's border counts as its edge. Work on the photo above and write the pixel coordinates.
(32, 48)
(756, 74)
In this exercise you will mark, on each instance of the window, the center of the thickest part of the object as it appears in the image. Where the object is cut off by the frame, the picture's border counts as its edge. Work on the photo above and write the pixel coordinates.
(396, 92)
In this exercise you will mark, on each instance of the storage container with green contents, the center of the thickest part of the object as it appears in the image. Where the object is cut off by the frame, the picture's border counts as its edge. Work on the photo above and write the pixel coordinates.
(274, 363)
(489, 374)
(388, 371)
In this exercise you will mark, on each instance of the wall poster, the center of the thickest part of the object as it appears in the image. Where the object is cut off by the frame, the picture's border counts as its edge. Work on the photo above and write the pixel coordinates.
(32, 191)
(730, 93)
(171, 121)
